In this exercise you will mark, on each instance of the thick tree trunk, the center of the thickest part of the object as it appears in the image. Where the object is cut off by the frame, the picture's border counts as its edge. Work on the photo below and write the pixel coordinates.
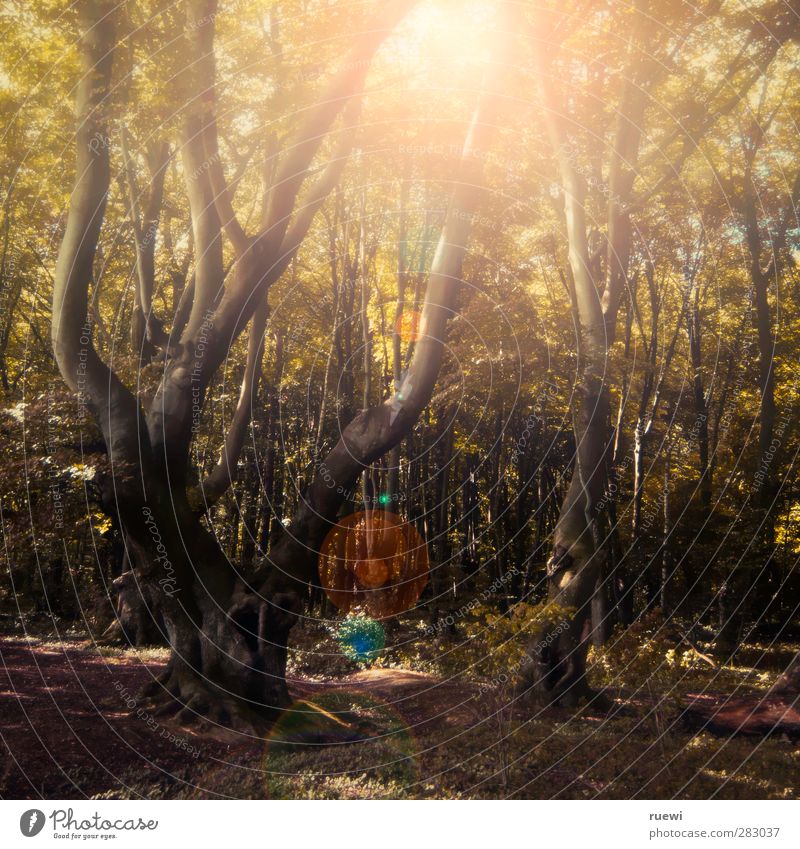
(137, 621)
(556, 668)
(224, 669)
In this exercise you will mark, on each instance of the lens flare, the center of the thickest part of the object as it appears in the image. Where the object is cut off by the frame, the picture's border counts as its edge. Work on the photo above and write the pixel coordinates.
(360, 638)
(381, 748)
(375, 562)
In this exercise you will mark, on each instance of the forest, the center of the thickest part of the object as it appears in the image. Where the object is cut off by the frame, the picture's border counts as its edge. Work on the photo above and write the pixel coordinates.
(400, 399)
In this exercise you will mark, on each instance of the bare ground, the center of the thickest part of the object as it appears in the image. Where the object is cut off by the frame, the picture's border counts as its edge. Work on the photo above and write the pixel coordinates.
(71, 727)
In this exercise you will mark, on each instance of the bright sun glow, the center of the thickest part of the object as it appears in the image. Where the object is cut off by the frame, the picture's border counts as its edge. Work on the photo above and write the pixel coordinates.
(439, 41)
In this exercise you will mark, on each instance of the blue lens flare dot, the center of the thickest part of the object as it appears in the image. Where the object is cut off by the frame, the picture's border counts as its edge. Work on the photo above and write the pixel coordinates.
(360, 638)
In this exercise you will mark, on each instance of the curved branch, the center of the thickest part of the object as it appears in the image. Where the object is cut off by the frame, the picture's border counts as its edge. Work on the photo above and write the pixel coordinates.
(97, 386)
(221, 477)
(220, 314)
(313, 200)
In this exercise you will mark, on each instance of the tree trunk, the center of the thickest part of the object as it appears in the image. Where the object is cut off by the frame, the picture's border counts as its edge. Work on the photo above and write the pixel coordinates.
(556, 668)
(393, 481)
(766, 485)
(700, 426)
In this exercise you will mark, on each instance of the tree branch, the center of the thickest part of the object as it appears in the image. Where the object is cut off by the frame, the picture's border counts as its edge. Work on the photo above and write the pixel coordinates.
(114, 406)
(145, 326)
(222, 476)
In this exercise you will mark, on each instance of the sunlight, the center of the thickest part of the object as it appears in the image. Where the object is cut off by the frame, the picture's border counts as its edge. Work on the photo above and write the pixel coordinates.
(439, 42)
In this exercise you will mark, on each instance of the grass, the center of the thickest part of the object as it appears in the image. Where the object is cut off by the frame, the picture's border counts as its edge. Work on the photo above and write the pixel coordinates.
(642, 750)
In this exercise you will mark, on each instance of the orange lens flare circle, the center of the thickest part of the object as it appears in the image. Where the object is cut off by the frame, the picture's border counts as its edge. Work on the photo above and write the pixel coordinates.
(373, 561)
(407, 325)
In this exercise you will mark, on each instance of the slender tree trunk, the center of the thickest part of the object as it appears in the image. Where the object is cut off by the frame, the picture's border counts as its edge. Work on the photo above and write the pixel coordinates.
(666, 547)
(766, 478)
(393, 482)
(556, 668)
(700, 425)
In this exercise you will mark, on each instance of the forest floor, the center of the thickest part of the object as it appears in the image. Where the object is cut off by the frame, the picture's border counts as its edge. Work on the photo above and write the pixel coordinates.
(71, 727)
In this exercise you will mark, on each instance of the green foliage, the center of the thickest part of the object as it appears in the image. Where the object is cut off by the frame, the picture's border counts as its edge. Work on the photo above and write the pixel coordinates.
(497, 644)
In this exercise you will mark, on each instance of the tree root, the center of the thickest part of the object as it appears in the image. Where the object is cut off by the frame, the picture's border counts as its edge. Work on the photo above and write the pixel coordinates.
(547, 681)
(204, 708)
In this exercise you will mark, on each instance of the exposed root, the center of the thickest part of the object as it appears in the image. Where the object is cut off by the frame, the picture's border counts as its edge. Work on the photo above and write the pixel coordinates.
(551, 679)
(202, 708)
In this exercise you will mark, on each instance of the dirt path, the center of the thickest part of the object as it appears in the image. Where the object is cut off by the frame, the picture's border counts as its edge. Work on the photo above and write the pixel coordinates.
(66, 730)
(69, 725)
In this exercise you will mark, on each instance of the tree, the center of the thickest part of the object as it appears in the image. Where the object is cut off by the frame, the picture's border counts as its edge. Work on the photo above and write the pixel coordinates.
(228, 637)
(612, 99)
(190, 582)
